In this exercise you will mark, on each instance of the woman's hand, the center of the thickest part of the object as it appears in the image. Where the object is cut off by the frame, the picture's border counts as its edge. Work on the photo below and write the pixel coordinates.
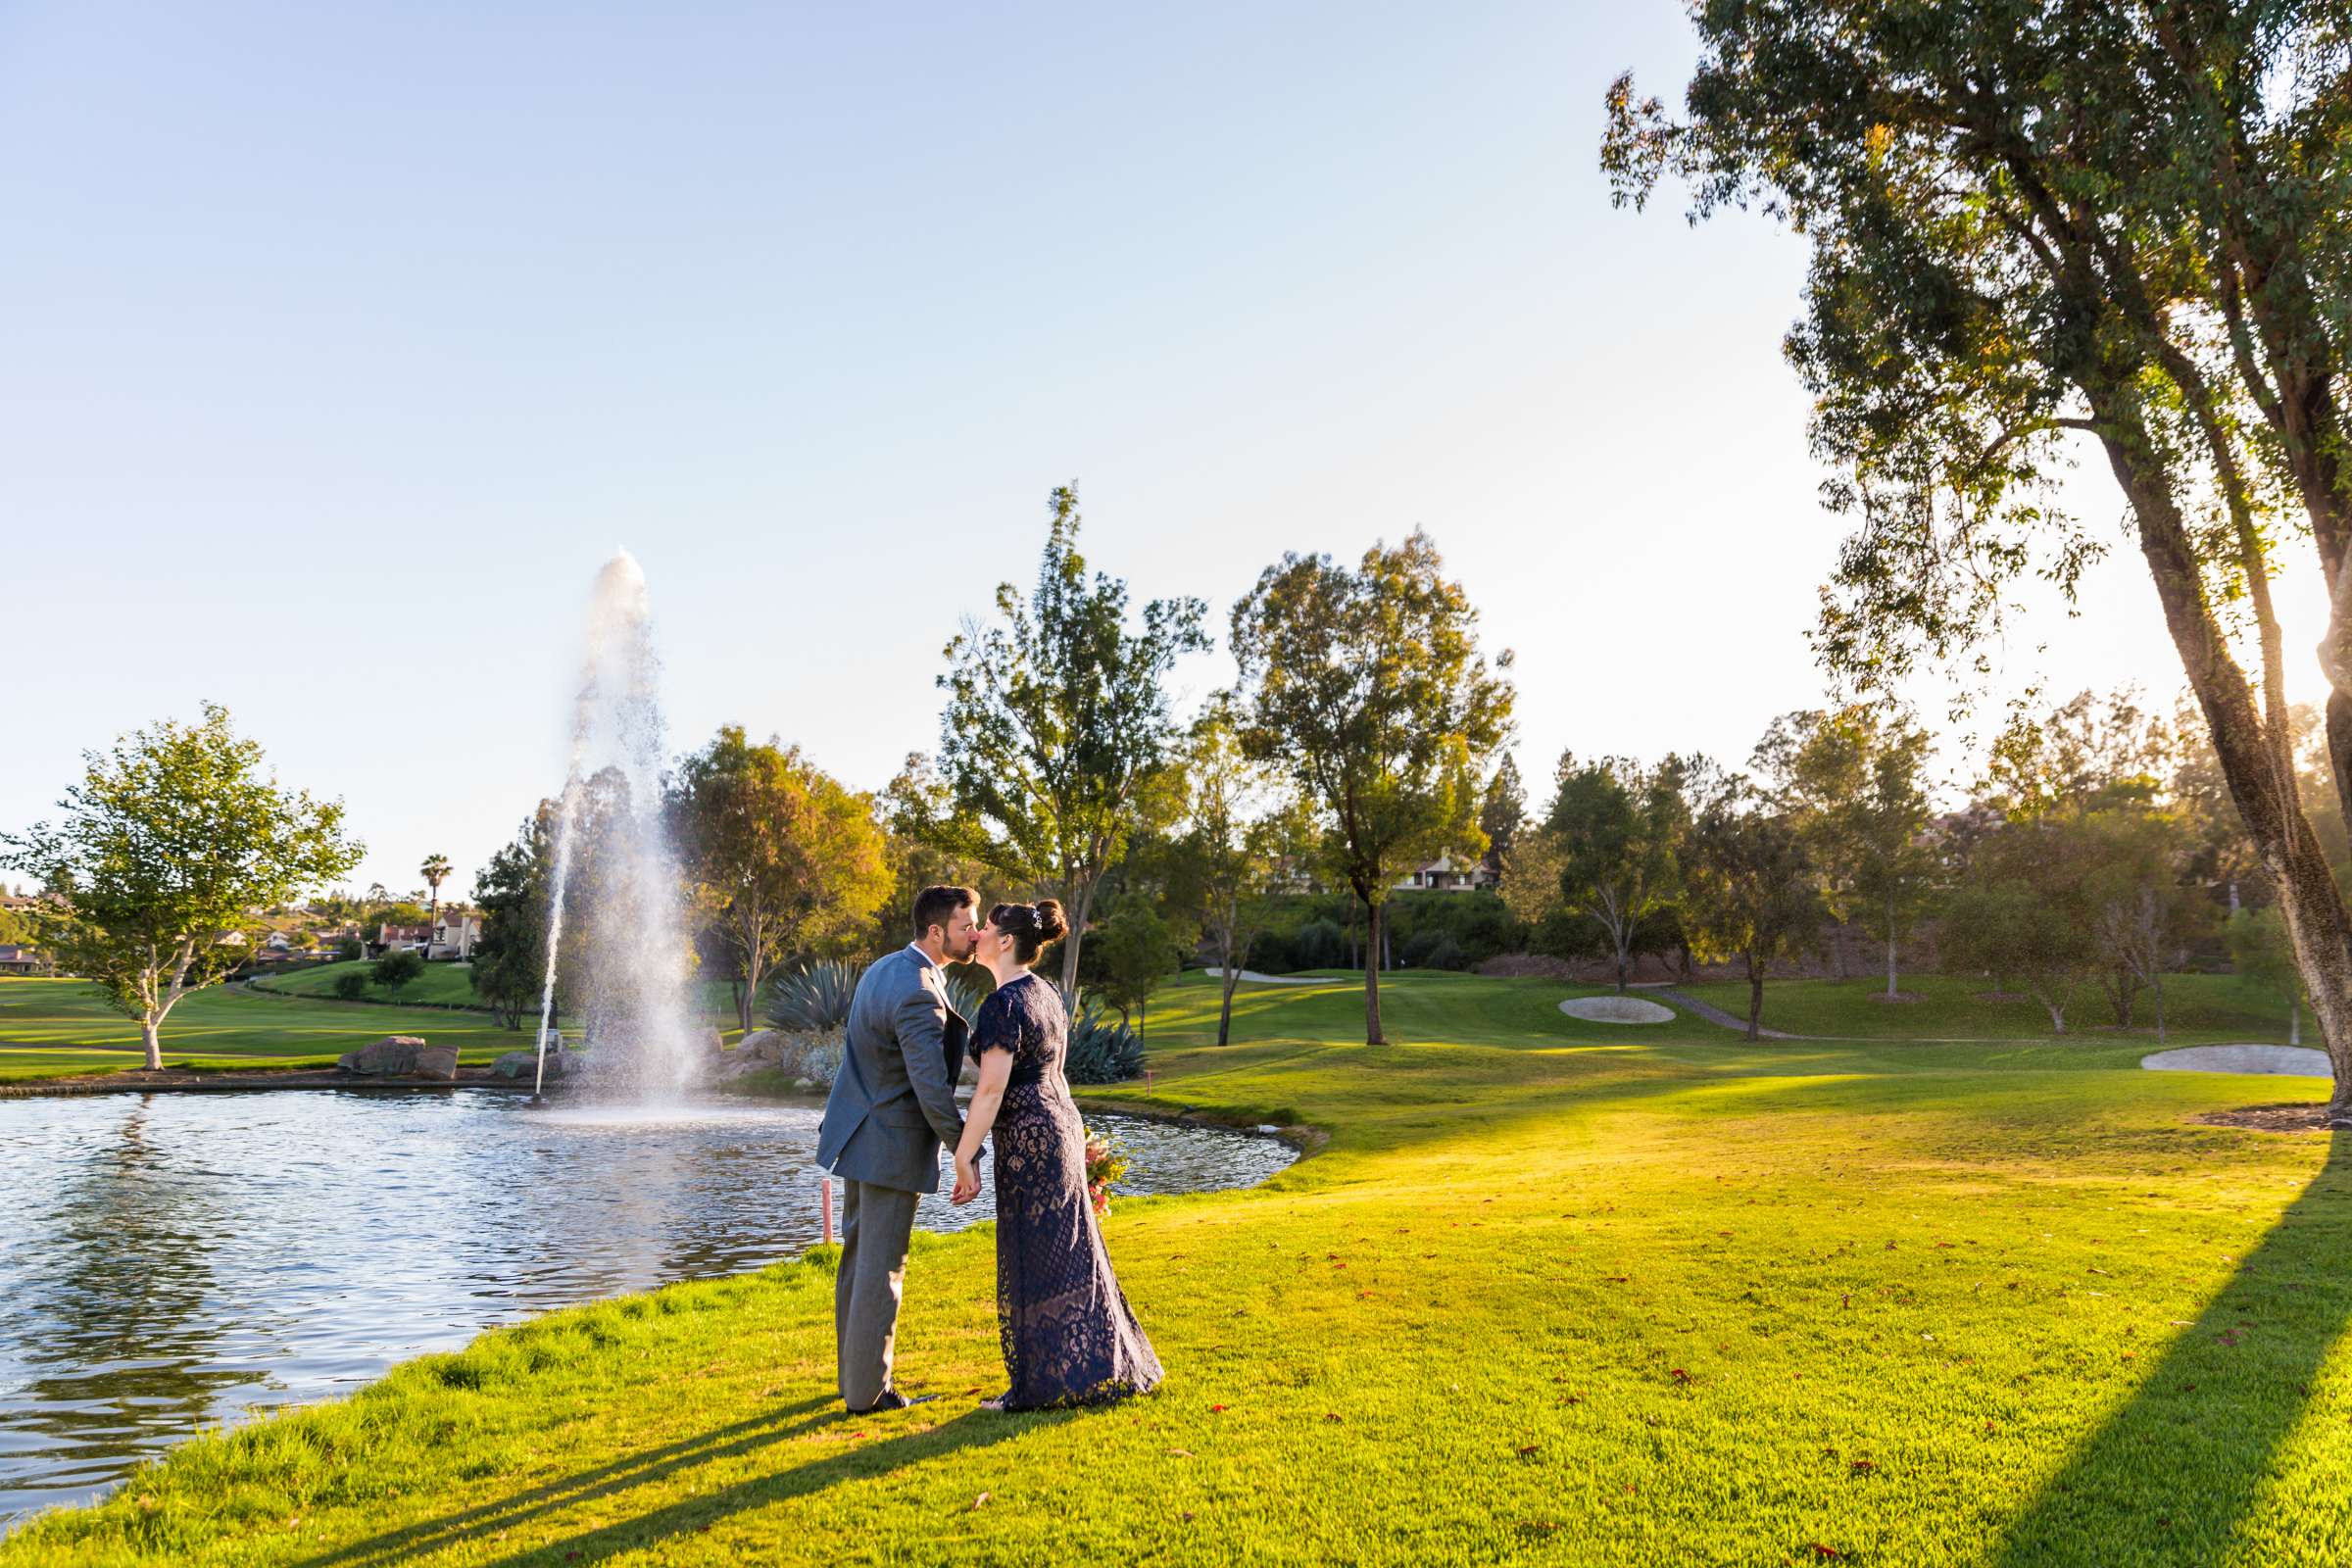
(967, 1180)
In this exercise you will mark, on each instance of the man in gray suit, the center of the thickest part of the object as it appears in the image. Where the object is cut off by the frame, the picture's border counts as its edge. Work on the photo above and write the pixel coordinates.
(893, 1105)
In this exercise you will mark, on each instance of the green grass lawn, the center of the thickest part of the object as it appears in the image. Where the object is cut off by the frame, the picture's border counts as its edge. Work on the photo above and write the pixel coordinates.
(1550, 1294)
(2198, 1009)
(449, 985)
(54, 1027)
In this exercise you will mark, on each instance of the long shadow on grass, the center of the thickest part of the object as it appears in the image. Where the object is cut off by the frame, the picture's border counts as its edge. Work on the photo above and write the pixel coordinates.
(2171, 1475)
(700, 1511)
(618, 1475)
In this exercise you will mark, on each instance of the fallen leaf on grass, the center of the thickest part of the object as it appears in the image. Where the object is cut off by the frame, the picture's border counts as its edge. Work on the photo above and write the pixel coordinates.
(1332, 1415)
(977, 1501)
(1825, 1553)
(1862, 1467)
(1217, 1409)
(1531, 1449)
(1680, 1376)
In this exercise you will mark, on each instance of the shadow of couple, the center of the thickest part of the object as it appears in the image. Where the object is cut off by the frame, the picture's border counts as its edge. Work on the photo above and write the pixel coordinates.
(654, 1470)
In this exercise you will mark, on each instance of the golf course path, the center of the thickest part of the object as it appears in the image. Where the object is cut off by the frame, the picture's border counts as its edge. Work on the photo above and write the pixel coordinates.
(1715, 1014)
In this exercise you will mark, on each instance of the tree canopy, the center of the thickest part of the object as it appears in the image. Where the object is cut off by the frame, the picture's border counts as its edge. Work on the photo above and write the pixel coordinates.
(1365, 684)
(2038, 231)
(170, 842)
(1057, 714)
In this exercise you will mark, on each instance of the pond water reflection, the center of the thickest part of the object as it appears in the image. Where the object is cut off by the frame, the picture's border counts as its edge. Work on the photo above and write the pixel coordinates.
(171, 1262)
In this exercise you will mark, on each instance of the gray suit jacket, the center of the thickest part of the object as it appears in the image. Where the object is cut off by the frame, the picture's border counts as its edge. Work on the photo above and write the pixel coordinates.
(894, 1101)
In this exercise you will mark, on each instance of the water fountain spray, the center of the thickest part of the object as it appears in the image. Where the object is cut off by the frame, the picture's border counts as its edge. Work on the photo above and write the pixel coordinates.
(609, 831)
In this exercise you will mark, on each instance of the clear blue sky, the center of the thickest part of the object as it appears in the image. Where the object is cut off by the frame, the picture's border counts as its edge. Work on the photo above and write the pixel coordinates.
(343, 343)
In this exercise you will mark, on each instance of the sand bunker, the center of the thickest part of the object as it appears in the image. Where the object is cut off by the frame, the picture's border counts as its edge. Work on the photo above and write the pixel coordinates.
(1255, 978)
(1616, 1009)
(2294, 1062)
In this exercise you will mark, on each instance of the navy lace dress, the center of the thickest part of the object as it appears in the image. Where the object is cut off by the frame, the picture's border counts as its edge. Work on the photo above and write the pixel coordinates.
(1068, 1335)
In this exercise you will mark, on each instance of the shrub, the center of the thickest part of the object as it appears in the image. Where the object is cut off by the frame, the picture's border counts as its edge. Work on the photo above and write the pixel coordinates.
(1103, 1049)
(351, 985)
(1320, 945)
(1434, 949)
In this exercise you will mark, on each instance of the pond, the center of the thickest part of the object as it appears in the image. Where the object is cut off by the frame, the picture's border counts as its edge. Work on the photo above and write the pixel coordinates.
(169, 1263)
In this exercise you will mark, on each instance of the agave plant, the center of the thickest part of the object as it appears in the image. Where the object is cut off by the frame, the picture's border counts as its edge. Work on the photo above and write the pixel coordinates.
(965, 993)
(1103, 1047)
(813, 997)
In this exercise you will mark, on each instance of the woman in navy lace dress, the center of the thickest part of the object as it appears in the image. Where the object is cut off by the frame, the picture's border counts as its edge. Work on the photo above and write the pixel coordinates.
(1067, 1334)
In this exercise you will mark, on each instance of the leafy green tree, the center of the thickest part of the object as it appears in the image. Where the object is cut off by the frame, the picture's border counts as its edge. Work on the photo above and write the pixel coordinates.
(1136, 954)
(1056, 718)
(2142, 916)
(1852, 781)
(168, 843)
(398, 969)
(352, 986)
(1619, 827)
(2264, 959)
(434, 871)
(1366, 686)
(2040, 227)
(791, 861)
(1240, 831)
(2025, 908)
(510, 960)
(1752, 890)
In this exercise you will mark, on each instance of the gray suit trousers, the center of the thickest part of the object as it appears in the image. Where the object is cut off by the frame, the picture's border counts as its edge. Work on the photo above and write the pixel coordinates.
(877, 1223)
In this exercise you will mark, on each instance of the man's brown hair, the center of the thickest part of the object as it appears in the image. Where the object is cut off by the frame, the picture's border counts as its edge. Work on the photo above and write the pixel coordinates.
(936, 906)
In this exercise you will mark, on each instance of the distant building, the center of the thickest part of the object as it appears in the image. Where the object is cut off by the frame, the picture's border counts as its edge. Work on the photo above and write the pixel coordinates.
(400, 938)
(19, 960)
(1446, 875)
(454, 935)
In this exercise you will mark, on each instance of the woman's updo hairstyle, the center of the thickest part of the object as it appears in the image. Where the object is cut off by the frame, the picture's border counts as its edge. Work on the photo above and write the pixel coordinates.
(1030, 925)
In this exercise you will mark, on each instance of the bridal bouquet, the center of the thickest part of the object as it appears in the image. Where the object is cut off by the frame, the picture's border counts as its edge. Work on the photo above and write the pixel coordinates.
(1105, 1163)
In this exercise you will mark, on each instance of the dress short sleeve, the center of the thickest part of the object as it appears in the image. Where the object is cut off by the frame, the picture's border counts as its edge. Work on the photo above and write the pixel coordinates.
(997, 1027)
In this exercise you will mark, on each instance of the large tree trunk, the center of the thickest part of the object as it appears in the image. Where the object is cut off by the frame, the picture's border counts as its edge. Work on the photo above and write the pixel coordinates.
(2308, 897)
(151, 1036)
(1372, 929)
(1082, 899)
(1232, 978)
(1755, 999)
(1892, 993)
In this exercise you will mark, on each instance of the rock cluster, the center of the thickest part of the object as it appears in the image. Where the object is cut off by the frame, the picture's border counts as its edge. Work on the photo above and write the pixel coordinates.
(809, 1059)
(402, 1056)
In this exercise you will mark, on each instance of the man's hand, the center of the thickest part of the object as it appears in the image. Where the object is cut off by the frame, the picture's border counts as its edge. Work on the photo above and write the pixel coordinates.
(967, 1182)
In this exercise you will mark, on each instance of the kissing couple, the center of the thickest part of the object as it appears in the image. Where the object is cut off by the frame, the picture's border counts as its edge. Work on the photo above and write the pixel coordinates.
(1067, 1335)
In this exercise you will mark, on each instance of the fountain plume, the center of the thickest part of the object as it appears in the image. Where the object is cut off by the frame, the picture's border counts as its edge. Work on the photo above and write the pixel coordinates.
(613, 856)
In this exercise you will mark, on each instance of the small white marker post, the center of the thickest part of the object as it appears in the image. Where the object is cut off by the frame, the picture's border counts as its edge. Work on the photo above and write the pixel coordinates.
(824, 1187)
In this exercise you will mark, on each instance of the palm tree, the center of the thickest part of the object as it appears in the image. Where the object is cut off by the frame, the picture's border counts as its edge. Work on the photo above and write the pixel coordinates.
(435, 867)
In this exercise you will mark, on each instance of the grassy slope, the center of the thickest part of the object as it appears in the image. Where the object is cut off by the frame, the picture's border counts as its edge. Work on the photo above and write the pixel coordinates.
(448, 985)
(1552, 1294)
(53, 1027)
(2199, 1009)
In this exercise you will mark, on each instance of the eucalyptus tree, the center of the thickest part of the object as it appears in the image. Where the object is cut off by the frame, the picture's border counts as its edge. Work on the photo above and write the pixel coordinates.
(1241, 832)
(2037, 229)
(1617, 827)
(1752, 894)
(167, 846)
(1057, 717)
(1852, 782)
(1366, 685)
